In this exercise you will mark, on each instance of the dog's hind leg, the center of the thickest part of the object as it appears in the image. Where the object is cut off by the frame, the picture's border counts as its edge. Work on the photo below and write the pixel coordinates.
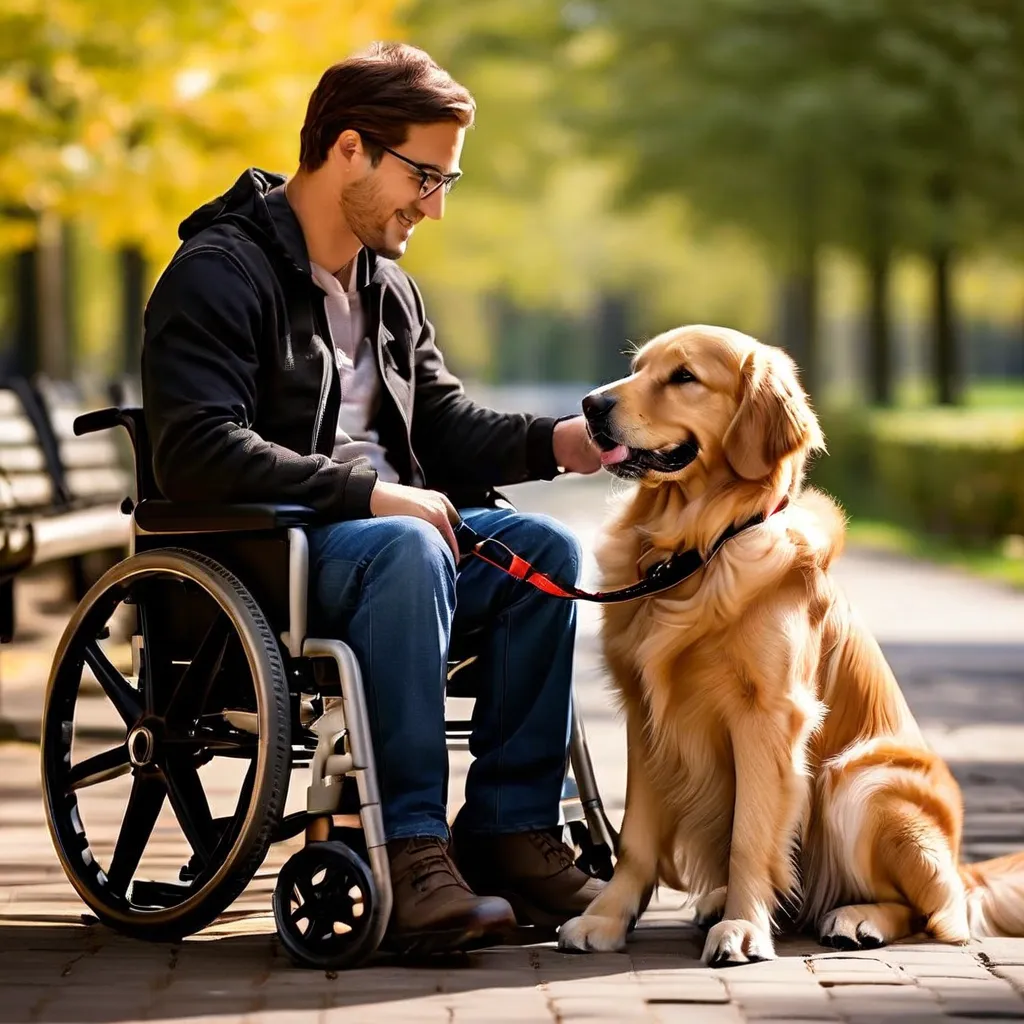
(605, 923)
(898, 855)
(923, 868)
(866, 925)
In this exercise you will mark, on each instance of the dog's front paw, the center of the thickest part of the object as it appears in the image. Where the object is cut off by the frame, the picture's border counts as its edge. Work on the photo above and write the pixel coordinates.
(710, 908)
(734, 942)
(592, 934)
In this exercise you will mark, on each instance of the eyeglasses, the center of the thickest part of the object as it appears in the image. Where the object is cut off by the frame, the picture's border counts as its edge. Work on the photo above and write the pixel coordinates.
(430, 179)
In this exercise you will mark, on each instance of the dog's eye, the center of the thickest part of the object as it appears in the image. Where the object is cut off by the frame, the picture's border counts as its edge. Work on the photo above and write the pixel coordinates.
(681, 375)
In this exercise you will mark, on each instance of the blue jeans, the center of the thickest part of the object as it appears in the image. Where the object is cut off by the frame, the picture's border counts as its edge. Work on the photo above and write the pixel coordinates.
(389, 588)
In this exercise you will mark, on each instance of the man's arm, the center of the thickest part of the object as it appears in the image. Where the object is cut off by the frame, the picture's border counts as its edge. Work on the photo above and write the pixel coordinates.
(199, 378)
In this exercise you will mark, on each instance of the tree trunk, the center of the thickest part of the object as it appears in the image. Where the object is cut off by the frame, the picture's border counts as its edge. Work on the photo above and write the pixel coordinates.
(26, 312)
(133, 303)
(611, 344)
(798, 321)
(946, 366)
(799, 299)
(54, 353)
(880, 370)
(70, 297)
(878, 210)
(948, 376)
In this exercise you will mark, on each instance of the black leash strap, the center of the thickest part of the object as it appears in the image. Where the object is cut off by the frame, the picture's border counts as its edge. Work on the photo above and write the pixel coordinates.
(659, 578)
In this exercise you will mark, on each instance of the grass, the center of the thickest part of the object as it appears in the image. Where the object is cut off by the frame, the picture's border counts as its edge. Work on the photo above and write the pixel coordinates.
(1002, 563)
(993, 394)
(996, 395)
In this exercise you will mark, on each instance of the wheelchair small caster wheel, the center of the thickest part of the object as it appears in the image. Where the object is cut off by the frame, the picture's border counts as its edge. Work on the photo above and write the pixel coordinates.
(326, 906)
(595, 859)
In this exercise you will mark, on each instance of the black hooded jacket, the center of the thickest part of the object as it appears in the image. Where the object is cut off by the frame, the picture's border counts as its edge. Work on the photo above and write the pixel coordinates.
(241, 392)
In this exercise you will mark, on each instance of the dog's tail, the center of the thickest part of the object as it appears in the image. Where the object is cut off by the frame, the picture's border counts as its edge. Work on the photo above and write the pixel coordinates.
(995, 896)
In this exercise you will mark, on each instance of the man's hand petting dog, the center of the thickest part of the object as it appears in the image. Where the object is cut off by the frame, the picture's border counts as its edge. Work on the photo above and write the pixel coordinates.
(574, 451)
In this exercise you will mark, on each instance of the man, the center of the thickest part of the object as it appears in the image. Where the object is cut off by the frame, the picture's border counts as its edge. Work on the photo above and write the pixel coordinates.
(288, 358)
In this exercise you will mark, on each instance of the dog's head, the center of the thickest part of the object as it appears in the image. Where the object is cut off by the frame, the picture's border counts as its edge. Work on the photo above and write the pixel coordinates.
(700, 398)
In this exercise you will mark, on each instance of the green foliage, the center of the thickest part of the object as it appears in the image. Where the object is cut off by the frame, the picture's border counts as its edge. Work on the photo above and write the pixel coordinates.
(947, 473)
(535, 219)
(130, 113)
(788, 116)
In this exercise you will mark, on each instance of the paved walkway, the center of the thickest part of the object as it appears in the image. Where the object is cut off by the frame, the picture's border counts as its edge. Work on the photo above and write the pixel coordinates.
(958, 647)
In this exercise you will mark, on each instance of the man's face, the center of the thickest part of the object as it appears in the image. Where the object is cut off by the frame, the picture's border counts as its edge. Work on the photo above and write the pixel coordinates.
(382, 204)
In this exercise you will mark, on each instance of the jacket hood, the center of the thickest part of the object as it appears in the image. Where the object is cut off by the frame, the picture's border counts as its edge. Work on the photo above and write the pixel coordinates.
(256, 203)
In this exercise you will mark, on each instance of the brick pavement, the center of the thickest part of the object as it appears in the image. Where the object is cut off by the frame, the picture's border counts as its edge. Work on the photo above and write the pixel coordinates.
(958, 647)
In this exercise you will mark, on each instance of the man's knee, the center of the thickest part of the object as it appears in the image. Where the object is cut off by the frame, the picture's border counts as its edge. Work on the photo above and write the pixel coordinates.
(552, 547)
(415, 548)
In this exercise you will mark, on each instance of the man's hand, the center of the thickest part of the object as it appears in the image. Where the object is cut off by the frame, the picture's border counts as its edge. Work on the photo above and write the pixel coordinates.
(574, 451)
(387, 499)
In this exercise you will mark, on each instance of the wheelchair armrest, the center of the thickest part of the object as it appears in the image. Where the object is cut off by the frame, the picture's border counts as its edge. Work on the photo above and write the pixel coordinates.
(157, 516)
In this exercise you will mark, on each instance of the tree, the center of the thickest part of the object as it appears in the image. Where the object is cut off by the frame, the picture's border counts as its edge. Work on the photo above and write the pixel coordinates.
(818, 121)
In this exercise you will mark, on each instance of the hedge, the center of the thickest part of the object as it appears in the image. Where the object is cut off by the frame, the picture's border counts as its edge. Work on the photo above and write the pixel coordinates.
(955, 473)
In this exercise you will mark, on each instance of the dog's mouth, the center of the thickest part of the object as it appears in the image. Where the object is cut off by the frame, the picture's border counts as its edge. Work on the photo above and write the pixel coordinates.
(633, 463)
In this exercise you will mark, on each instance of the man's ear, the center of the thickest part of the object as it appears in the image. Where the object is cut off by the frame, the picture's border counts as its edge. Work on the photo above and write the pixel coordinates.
(348, 145)
(774, 418)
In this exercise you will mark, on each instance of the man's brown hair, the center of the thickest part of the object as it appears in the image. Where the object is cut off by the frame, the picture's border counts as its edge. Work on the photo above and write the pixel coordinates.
(379, 93)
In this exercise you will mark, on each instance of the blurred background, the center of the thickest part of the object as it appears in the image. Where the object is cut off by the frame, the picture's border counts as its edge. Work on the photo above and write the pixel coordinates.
(844, 178)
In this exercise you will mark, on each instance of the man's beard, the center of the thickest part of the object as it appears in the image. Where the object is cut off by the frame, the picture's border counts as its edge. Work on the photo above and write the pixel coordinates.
(364, 214)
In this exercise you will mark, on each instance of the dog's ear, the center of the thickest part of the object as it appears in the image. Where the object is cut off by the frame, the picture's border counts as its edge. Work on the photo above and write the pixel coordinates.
(774, 418)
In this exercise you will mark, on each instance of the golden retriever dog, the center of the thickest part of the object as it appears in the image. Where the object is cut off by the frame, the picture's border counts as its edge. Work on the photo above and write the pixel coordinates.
(774, 767)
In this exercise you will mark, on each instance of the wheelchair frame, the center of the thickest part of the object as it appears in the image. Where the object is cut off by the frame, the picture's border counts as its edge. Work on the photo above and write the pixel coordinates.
(344, 748)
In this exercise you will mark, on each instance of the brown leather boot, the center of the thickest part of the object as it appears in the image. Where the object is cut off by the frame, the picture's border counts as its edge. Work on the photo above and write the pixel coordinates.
(434, 911)
(535, 871)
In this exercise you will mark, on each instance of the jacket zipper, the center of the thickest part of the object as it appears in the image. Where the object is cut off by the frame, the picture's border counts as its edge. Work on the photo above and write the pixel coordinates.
(325, 388)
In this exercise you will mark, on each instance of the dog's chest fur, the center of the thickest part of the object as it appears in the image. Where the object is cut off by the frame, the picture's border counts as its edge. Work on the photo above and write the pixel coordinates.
(680, 659)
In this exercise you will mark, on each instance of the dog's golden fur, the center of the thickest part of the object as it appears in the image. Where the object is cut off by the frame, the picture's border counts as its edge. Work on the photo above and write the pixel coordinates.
(773, 762)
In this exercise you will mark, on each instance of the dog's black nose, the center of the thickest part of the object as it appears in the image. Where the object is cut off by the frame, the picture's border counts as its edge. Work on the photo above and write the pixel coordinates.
(596, 407)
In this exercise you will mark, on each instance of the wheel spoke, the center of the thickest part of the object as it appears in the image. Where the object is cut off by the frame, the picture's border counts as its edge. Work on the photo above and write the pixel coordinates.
(301, 914)
(245, 793)
(197, 680)
(234, 745)
(144, 803)
(149, 670)
(191, 808)
(118, 690)
(306, 891)
(108, 765)
(340, 909)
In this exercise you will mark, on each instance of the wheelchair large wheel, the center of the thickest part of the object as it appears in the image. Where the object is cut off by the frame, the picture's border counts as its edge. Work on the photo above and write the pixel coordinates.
(200, 724)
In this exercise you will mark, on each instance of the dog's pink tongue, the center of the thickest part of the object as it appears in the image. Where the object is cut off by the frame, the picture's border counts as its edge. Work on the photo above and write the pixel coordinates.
(618, 454)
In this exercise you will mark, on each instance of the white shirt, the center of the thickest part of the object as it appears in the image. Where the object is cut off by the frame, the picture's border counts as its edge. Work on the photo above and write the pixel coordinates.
(357, 367)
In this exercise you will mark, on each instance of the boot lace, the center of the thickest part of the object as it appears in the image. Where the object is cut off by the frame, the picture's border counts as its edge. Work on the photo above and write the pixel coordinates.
(430, 858)
(553, 849)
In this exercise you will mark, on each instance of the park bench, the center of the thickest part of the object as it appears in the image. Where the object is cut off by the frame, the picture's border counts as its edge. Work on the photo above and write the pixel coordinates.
(60, 495)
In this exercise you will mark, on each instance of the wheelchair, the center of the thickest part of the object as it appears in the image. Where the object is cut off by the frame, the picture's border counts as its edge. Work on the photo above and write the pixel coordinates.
(211, 608)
